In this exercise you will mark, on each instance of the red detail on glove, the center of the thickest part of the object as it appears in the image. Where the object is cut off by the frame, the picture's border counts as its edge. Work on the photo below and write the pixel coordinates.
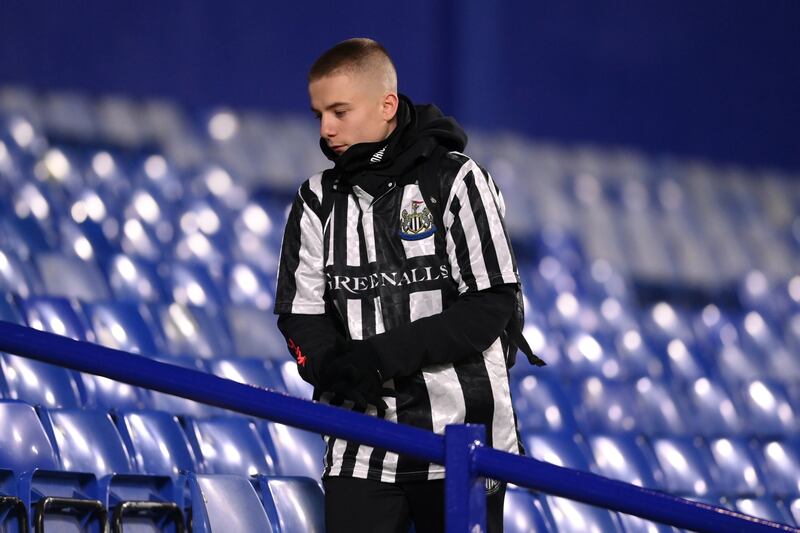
(298, 354)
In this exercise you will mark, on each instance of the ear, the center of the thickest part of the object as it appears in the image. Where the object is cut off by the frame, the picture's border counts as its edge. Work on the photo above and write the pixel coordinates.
(389, 106)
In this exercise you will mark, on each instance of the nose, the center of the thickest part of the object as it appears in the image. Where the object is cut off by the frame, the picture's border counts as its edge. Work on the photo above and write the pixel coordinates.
(326, 128)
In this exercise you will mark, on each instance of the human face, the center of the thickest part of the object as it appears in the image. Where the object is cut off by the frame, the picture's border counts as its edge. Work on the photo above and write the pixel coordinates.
(351, 109)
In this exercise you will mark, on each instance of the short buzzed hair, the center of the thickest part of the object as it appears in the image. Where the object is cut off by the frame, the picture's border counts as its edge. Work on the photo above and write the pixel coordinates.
(356, 55)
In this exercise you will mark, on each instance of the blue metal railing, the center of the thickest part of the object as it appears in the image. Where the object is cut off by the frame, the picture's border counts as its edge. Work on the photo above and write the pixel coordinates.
(461, 449)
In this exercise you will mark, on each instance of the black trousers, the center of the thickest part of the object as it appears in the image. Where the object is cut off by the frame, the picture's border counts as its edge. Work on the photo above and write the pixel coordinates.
(362, 505)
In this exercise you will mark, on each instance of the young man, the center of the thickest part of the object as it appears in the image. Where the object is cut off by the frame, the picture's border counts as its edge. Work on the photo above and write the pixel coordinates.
(397, 292)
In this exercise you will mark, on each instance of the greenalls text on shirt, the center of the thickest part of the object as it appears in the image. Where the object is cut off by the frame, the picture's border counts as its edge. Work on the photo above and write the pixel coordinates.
(356, 284)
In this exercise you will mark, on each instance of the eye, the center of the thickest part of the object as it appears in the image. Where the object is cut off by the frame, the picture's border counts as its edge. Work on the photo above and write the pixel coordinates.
(339, 114)
(318, 116)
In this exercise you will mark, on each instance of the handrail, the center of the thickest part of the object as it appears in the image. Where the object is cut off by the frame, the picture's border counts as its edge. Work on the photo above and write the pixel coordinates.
(321, 418)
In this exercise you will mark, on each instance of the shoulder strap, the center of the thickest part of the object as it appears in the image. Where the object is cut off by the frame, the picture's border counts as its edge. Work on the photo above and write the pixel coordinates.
(430, 186)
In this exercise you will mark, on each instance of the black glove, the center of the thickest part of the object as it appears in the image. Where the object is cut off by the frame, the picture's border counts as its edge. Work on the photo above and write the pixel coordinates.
(356, 376)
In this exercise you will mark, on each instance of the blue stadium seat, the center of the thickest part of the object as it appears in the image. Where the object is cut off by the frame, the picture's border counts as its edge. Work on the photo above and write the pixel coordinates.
(714, 328)
(246, 284)
(523, 512)
(40, 383)
(255, 332)
(780, 461)
(761, 338)
(190, 330)
(293, 503)
(54, 315)
(735, 467)
(661, 409)
(8, 309)
(85, 240)
(573, 517)
(636, 358)
(175, 404)
(684, 362)
(257, 230)
(192, 284)
(737, 366)
(541, 405)
(793, 505)
(122, 326)
(663, 322)
(587, 354)
(567, 515)
(156, 443)
(26, 449)
(685, 464)
(766, 407)
(24, 236)
(230, 445)
(88, 441)
(627, 458)
(295, 385)
(134, 279)
(226, 503)
(712, 409)
(296, 452)
(18, 276)
(72, 277)
(255, 372)
(559, 449)
(764, 507)
(607, 405)
(117, 325)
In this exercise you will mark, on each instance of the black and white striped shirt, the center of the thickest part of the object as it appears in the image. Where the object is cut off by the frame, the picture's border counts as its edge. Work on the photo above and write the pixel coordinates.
(382, 264)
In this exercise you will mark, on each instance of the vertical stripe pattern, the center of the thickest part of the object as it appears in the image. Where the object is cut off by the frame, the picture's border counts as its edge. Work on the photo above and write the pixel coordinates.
(379, 277)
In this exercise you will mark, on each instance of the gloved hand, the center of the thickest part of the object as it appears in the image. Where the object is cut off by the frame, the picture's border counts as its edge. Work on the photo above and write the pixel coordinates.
(356, 376)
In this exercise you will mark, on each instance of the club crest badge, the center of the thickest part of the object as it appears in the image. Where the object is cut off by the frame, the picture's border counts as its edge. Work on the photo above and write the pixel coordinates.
(417, 224)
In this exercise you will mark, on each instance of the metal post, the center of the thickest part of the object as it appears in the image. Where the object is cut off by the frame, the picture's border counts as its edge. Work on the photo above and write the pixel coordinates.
(465, 494)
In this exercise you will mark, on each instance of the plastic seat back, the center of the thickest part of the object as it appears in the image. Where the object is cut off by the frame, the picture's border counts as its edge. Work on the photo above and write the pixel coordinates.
(134, 279)
(685, 464)
(226, 503)
(255, 333)
(767, 409)
(293, 503)
(40, 383)
(764, 507)
(541, 405)
(627, 458)
(297, 452)
(24, 445)
(661, 410)
(156, 442)
(18, 276)
(713, 409)
(231, 445)
(190, 330)
(191, 284)
(608, 405)
(87, 441)
(574, 517)
(72, 277)
(255, 372)
(522, 512)
(736, 467)
(781, 465)
(558, 449)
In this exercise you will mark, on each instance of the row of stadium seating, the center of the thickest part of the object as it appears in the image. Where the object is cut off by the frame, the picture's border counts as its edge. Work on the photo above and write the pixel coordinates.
(142, 228)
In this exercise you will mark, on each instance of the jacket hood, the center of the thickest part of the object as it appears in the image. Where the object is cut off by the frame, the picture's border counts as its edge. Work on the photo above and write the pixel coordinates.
(420, 129)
